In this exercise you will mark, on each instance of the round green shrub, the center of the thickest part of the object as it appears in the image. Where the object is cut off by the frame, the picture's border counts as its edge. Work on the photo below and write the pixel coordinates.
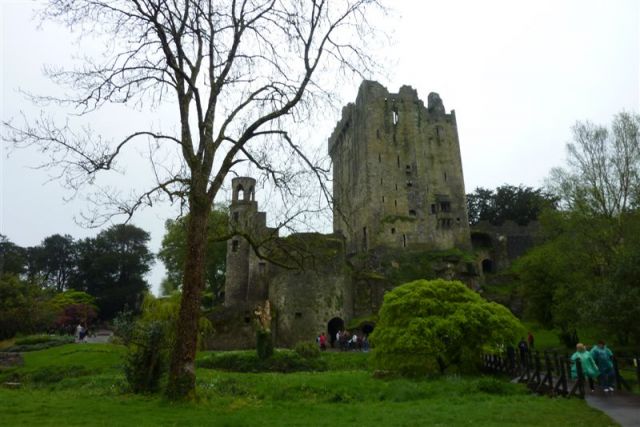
(434, 326)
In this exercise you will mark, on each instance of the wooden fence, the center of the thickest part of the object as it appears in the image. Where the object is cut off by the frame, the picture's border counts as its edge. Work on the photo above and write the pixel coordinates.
(550, 373)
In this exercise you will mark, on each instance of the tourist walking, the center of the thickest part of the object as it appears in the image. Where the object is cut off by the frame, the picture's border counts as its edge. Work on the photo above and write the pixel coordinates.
(323, 341)
(589, 367)
(603, 358)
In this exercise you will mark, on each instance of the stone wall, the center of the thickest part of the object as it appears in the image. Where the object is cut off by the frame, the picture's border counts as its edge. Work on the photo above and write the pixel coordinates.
(497, 246)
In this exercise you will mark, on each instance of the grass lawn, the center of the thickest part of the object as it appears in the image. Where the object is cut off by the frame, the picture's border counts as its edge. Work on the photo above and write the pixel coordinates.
(81, 384)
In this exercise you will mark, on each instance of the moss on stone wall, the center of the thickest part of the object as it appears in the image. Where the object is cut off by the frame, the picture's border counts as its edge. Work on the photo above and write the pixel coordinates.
(398, 267)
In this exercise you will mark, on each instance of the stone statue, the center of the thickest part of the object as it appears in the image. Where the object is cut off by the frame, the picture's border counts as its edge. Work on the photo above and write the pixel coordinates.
(263, 315)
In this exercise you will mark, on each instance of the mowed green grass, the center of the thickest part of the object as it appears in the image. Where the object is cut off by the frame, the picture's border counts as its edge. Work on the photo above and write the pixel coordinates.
(346, 395)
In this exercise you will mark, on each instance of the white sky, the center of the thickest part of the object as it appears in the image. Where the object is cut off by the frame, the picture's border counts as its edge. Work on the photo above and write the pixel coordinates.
(518, 73)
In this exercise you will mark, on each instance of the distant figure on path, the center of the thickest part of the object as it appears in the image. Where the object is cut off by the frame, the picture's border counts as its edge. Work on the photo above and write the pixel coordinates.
(79, 331)
(524, 349)
(603, 358)
(589, 367)
(530, 340)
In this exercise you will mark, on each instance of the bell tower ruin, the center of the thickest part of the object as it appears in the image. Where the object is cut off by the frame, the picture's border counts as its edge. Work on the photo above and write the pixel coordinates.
(246, 272)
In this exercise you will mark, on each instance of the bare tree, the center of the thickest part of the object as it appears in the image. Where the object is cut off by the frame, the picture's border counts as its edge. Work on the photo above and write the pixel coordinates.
(603, 173)
(241, 71)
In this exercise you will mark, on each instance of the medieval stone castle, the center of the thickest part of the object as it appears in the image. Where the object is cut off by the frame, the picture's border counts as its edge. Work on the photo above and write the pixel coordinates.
(399, 214)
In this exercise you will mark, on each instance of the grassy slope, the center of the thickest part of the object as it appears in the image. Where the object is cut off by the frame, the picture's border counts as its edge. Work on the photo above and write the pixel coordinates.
(339, 397)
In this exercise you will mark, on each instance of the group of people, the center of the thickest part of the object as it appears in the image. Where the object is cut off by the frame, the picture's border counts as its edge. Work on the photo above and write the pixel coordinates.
(344, 340)
(596, 363)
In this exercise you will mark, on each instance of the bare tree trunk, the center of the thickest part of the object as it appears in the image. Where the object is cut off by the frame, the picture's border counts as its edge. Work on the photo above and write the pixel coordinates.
(182, 375)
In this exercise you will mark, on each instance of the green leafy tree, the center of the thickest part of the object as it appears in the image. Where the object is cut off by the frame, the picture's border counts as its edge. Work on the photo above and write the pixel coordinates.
(24, 307)
(520, 204)
(54, 261)
(111, 267)
(149, 340)
(585, 274)
(433, 326)
(602, 176)
(13, 258)
(74, 307)
(174, 249)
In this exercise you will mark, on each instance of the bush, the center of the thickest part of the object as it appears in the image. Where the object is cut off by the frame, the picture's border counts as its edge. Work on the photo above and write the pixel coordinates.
(308, 350)
(38, 339)
(432, 326)
(146, 359)
(124, 326)
(264, 344)
(244, 361)
(38, 342)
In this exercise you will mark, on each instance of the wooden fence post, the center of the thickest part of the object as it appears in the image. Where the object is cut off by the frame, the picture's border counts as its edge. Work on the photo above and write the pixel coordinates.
(619, 380)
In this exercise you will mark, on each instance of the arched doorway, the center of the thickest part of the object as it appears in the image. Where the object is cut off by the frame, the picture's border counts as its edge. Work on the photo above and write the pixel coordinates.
(487, 266)
(336, 324)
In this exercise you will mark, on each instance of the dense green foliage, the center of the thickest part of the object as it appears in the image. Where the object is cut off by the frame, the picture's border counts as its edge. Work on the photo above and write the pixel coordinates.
(431, 326)
(53, 263)
(38, 342)
(146, 359)
(586, 274)
(13, 258)
(24, 307)
(148, 339)
(174, 249)
(62, 282)
(82, 384)
(279, 361)
(508, 203)
(112, 267)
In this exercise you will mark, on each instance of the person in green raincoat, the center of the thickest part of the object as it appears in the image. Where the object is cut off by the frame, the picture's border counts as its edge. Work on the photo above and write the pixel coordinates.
(589, 367)
(604, 360)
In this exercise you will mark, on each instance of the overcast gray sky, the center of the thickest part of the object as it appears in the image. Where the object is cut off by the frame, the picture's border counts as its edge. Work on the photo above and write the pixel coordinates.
(518, 73)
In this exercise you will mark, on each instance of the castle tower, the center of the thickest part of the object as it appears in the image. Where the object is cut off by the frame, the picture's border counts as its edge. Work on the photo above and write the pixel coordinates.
(244, 271)
(397, 172)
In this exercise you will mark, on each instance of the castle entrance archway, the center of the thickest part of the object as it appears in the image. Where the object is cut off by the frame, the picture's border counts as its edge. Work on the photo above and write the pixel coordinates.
(487, 266)
(336, 324)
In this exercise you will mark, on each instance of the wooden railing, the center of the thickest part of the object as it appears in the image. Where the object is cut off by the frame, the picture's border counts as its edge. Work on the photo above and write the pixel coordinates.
(550, 372)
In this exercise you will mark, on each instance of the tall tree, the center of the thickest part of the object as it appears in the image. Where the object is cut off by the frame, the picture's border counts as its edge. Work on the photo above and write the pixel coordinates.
(112, 266)
(173, 251)
(603, 167)
(53, 261)
(13, 258)
(520, 204)
(242, 72)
